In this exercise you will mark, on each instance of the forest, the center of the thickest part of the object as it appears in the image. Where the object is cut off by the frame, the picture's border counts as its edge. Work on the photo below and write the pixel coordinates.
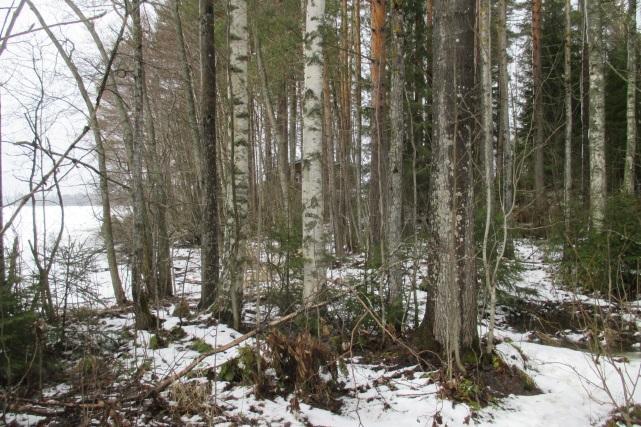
(320, 213)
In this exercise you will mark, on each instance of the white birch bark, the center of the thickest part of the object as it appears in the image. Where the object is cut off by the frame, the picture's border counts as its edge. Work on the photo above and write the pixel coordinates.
(312, 197)
(630, 152)
(485, 47)
(596, 132)
(237, 210)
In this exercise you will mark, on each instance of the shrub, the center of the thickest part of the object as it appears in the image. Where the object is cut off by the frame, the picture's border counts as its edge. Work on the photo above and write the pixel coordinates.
(607, 261)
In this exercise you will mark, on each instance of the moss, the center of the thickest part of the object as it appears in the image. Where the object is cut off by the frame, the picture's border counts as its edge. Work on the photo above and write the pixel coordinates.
(156, 342)
(200, 346)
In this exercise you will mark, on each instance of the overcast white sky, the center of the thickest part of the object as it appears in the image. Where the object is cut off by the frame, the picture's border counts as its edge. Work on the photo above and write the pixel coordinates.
(31, 58)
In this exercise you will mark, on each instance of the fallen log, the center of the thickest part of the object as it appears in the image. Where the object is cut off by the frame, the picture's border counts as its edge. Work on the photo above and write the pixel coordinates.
(162, 385)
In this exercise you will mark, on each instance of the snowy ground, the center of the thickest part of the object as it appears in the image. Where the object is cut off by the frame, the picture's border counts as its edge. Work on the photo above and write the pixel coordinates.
(577, 389)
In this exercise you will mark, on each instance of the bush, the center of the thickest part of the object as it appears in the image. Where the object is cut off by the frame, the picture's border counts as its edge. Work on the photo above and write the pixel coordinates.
(17, 338)
(608, 261)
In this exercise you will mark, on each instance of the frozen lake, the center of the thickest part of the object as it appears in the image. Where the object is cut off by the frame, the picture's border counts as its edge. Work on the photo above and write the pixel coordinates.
(88, 283)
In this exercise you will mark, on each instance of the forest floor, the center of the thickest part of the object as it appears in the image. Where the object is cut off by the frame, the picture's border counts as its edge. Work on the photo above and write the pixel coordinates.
(542, 329)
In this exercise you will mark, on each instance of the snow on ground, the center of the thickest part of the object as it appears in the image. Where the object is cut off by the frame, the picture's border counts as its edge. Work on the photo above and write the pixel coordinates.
(538, 282)
(577, 389)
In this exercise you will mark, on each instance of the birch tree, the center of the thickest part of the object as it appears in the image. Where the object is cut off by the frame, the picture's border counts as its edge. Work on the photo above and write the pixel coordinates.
(210, 226)
(598, 187)
(485, 48)
(450, 320)
(237, 212)
(312, 197)
(631, 113)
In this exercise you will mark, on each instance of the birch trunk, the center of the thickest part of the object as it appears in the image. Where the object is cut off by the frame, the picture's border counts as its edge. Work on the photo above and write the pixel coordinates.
(567, 70)
(210, 226)
(597, 117)
(395, 172)
(485, 48)
(312, 197)
(452, 322)
(237, 213)
(631, 114)
(140, 275)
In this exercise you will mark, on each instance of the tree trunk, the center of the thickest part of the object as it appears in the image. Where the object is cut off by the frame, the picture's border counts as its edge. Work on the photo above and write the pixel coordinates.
(210, 224)
(188, 88)
(237, 217)
(567, 70)
(485, 48)
(537, 114)
(631, 114)
(505, 163)
(394, 218)
(107, 230)
(585, 106)
(358, 119)
(452, 322)
(598, 187)
(140, 275)
(376, 198)
(312, 197)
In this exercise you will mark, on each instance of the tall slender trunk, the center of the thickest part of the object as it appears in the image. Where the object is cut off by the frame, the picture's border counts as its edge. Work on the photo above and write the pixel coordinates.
(312, 197)
(107, 229)
(376, 196)
(358, 119)
(505, 163)
(598, 187)
(631, 113)
(188, 89)
(210, 224)
(237, 215)
(485, 48)
(345, 146)
(283, 148)
(452, 324)
(394, 211)
(140, 275)
(537, 114)
(275, 126)
(161, 255)
(585, 106)
(567, 74)
(329, 161)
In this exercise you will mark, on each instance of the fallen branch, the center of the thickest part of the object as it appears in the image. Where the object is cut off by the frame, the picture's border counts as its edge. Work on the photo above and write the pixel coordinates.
(162, 385)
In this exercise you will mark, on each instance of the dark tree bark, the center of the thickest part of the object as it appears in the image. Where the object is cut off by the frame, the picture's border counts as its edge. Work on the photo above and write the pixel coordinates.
(210, 225)
(537, 114)
(140, 271)
(451, 319)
